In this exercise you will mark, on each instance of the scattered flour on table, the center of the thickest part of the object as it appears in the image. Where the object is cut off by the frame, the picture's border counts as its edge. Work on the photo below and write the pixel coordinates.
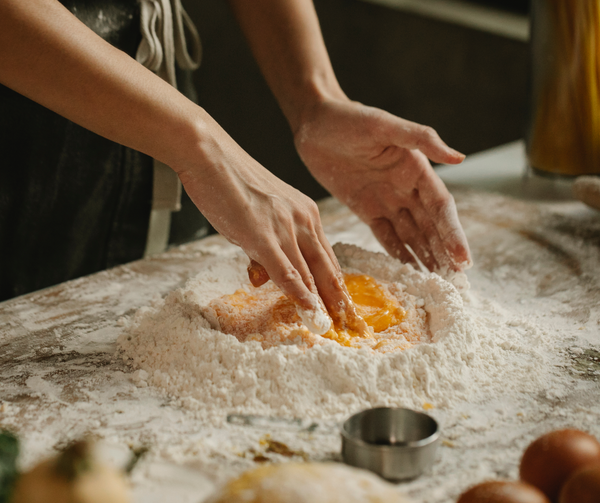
(174, 348)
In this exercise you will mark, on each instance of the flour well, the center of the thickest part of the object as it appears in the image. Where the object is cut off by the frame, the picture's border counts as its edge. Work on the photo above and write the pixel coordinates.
(176, 349)
(531, 366)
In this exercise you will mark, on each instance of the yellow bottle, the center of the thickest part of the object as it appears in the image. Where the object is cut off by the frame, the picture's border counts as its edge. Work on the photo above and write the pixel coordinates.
(564, 135)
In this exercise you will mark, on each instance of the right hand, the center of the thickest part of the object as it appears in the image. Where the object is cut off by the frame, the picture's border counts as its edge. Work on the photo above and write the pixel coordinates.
(378, 165)
(277, 226)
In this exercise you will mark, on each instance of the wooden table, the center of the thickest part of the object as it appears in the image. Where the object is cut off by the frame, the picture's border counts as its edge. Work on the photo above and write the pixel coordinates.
(60, 378)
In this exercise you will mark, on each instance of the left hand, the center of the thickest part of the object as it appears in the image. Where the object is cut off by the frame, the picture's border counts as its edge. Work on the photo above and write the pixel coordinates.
(378, 165)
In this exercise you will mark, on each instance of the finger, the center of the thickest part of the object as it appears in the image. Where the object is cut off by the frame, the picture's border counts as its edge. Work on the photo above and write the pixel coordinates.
(411, 135)
(330, 283)
(327, 277)
(313, 314)
(429, 231)
(454, 238)
(257, 274)
(287, 276)
(439, 205)
(413, 236)
(386, 234)
(328, 249)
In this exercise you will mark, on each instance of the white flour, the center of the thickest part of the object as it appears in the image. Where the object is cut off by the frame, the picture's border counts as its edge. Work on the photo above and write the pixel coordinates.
(526, 363)
(175, 349)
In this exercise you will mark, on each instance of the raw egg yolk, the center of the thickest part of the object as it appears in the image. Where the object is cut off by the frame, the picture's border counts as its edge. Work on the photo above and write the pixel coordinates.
(373, 303)
(267, 309)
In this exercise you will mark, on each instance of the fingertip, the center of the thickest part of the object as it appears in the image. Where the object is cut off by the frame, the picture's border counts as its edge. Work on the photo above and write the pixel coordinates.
(315, 317)
(456, 156)
(461, 257)
(446, 155)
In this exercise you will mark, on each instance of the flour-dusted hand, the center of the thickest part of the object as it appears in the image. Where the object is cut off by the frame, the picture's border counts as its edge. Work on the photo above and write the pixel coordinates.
(277, 226)
(378, 165)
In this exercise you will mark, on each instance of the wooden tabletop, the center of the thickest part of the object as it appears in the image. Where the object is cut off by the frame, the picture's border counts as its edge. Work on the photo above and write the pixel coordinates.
(61, 377)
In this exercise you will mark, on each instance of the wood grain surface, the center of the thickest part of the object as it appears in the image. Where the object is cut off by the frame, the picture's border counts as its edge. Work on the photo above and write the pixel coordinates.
(54, 340)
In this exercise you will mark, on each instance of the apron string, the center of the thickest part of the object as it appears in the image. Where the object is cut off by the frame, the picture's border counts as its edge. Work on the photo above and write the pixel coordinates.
(167, 30)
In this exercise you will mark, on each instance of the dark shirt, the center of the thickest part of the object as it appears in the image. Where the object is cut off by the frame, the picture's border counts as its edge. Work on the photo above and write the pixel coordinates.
(72, 202)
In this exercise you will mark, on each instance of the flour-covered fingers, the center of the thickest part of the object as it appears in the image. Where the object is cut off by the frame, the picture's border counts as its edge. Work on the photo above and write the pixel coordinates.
(311, 309)
(439, 255)
(326, 273)
(327, 247)
(333, 291)
(454, 238)
(386, 234)
(415, 237)
(289, 277)
(330, 284)
(439, 205)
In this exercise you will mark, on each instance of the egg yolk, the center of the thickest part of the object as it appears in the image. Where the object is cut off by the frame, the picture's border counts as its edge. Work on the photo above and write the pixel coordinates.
(266, 308)
(373, 303)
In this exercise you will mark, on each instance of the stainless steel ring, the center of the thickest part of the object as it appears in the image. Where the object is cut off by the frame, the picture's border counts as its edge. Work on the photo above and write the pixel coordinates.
(396, 443)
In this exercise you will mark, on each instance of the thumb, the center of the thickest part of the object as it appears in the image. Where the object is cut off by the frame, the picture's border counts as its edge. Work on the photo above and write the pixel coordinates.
(411, 135)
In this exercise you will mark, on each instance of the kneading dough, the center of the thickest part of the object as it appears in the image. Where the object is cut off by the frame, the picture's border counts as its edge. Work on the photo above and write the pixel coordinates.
(308, 483)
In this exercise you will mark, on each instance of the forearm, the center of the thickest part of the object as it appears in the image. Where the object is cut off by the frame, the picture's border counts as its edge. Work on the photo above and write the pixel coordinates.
(49, 56)
(287, 43)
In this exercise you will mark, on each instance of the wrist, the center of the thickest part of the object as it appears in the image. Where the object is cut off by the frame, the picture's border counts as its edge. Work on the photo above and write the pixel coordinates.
(188, 142)
(313, 92)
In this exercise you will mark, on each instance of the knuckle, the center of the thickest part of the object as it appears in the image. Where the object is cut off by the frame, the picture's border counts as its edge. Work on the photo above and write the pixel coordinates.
(311, 210)
(427, 135)
(307, 216)
(288, 277)
(314, 209)
(440, 202)
(441, 199)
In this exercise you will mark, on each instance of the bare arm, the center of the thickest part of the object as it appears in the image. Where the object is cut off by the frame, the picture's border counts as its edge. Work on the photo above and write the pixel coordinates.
(287, 43)
(374, 162)
(49, 56)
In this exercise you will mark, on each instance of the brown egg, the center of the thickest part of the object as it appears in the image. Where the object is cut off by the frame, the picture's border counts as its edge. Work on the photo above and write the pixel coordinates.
(551, 459)
(503, 491)
(583, 486)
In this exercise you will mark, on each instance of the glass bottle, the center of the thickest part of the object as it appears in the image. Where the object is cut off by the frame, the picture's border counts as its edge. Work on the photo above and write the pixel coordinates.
(564, 131)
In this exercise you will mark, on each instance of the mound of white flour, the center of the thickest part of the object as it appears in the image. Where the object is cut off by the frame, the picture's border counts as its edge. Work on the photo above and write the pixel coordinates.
(174, 348)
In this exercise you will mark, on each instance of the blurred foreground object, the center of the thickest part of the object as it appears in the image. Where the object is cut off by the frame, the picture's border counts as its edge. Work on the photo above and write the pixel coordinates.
(74, 476)
(9, 451)
(503, 491)
(308, 483)
(587, 190)
(564, 136)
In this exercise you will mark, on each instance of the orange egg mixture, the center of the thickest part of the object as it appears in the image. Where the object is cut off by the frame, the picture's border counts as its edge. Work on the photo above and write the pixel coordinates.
(396, 319)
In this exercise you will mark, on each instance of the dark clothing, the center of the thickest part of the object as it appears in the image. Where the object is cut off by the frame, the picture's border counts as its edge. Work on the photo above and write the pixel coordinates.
(71, 202)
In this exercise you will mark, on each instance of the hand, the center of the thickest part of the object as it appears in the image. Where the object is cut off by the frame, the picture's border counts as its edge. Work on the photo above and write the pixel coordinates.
(276, 225)
(377, 164)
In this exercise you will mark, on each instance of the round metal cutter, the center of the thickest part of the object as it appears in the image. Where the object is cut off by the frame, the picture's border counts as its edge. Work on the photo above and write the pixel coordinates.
(396, 443)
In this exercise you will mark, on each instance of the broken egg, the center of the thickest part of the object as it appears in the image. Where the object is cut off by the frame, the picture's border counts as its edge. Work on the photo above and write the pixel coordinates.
(265, 314)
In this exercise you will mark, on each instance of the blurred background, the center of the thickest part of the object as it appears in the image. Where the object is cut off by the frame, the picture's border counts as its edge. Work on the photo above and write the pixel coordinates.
(458, 66)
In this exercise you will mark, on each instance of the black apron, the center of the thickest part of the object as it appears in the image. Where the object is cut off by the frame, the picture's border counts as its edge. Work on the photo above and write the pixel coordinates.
(71, 202)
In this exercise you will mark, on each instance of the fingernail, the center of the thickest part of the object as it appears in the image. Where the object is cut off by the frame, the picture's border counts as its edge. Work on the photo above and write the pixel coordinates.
(459, 154)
